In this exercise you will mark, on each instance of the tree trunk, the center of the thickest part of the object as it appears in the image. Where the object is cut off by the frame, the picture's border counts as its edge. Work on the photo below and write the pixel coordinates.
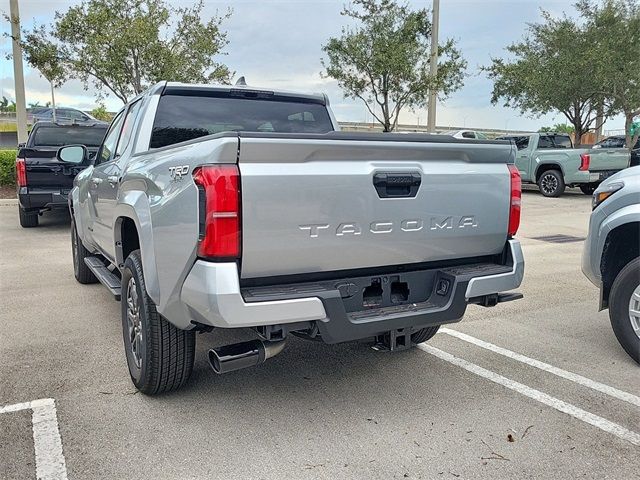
(53, 102)
(628, 122)
(577, 132)
(599, 123)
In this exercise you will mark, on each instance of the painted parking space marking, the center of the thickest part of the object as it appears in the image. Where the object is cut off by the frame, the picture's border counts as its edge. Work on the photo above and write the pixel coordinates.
(50, 463)
(579, 379)
(555, 403)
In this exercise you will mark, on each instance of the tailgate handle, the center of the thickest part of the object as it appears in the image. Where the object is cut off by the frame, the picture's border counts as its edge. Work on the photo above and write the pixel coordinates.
(397, 185)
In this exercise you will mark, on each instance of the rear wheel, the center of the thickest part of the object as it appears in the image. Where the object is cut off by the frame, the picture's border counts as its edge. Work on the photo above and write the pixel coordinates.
(159, 355)
(624, 308)
(28, 219)
(588, 188)
(551, 183)
(424, 334)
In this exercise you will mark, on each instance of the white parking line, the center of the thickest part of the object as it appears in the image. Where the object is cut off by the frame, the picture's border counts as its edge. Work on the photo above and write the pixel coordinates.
(579, 379)
(564, 407)
(50, 463)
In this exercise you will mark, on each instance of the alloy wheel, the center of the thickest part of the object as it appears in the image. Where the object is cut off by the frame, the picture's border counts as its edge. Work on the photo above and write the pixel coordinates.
(634, 311)
(549, 184)
(134, 322)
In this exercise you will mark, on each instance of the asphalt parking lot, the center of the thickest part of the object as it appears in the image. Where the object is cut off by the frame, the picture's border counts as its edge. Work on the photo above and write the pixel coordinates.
(537, 388)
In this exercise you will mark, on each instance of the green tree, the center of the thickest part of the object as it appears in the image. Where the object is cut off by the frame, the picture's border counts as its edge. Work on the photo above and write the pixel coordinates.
(614, 31)
(101, 113)
(384, 60)
(124, 46)
(6, 105)
(550, 70)
(558, 128)
(45, 56)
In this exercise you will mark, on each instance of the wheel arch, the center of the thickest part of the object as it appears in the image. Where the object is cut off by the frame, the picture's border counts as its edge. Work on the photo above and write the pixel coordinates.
(133, 230)
(544, 167)
(622, 245)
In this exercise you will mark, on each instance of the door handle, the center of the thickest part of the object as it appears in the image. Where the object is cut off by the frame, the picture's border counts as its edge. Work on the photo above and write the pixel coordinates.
(113, 180)
(389, 185)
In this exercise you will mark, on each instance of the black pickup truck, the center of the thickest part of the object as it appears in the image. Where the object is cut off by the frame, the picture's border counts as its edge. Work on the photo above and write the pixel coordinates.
(43, 182)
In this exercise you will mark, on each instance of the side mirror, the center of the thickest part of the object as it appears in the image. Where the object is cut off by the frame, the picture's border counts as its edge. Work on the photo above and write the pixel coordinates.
(75, 154)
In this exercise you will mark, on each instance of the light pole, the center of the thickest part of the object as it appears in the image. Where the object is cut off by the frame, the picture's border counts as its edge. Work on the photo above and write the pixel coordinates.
(18, 74)
(433, 66)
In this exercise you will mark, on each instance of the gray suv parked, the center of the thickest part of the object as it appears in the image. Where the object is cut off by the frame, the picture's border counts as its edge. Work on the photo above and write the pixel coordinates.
(611, 258)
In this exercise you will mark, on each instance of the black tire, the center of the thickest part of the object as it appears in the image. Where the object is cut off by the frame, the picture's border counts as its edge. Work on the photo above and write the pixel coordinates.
(79, 253)
(424, 334)
(588, 188)
(551, 183)
(627, 281)
(27, 219)
(165, 354)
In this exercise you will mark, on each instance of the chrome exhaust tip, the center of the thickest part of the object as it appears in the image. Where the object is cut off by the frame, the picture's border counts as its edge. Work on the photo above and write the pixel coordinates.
(237, 356)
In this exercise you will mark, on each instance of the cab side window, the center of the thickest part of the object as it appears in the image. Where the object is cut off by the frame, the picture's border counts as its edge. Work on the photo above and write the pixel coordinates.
(108, 148)
(545, 142)
(127, 129)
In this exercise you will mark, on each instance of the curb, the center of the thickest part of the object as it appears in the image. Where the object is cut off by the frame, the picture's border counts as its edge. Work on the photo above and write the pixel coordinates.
(8, 202)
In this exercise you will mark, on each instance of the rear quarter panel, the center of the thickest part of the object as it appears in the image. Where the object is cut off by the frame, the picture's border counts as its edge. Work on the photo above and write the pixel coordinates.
(168, 219)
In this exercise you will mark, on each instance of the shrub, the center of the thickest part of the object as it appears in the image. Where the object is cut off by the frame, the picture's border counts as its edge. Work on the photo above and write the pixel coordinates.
(8, 167)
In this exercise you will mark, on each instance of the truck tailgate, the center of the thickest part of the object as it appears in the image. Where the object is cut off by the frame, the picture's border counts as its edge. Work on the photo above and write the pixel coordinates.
(45, 171)
(608, 159)
(322, 203)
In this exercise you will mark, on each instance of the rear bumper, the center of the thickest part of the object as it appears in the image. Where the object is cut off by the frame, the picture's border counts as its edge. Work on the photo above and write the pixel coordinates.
(42, 199)
(212, 294)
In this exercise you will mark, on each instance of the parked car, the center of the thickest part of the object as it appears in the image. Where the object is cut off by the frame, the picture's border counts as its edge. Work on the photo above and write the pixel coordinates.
(63, 115)
(228, 207)
(466, 134)
(550, 161)
(611, 258)
(43, 182)
(619, 141)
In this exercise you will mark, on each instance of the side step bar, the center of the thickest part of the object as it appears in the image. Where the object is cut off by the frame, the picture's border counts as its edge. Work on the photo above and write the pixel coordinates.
(104, 275)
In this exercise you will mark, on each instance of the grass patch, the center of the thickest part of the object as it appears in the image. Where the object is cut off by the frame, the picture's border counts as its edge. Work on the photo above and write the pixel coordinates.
(8, 127)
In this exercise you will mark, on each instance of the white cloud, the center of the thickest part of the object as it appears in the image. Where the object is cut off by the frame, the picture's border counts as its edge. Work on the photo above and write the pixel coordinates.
(278, 44)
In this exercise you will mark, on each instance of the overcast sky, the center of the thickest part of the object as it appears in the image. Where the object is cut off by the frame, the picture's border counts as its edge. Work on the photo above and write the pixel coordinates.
(277, 43)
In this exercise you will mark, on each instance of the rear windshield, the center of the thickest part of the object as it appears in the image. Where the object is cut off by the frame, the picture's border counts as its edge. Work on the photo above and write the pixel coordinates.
(68, 135)
(521, 142)
(562, 141)
(180, 118)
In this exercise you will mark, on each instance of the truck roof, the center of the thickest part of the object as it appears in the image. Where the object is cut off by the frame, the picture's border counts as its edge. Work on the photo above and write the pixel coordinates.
(183, 88)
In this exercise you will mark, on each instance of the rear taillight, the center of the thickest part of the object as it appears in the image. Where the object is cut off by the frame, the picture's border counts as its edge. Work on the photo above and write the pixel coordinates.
(21, 172)
(516, 200)
(219, 187)
(585, 160)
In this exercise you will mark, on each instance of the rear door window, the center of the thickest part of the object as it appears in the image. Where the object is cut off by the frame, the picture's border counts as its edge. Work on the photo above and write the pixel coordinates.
(107, 151)
(617, 142)
(545, 142)
(183, 117)
(127, 129)
(522, 142)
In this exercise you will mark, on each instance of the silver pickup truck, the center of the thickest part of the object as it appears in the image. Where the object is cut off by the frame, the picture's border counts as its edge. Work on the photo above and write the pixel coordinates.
(611, 257)
(229, 207)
